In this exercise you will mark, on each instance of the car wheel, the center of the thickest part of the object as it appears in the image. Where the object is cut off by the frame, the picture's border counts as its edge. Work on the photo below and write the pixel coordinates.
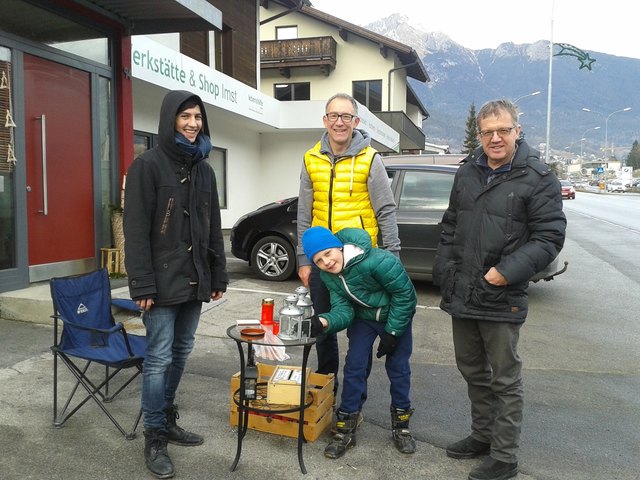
(273, 258)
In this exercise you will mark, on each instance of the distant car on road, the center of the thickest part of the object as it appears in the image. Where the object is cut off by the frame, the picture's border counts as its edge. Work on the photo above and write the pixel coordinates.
(568, 191)
(267, 237)
(615, 186)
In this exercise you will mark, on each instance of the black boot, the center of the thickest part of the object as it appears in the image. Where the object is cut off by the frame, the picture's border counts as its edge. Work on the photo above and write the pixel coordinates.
(155, 454)
(345, 436)
(492, 469)
(402, 438)
(177, 435)
(468, 448)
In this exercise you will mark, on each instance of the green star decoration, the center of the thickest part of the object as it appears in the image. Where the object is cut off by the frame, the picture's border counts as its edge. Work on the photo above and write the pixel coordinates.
(569, 50)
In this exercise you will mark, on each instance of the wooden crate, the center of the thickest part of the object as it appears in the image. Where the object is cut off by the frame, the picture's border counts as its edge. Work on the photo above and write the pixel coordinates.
(317, 417)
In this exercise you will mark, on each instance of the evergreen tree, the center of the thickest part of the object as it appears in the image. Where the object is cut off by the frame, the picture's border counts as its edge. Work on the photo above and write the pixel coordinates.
(471, 141)
(633, 159)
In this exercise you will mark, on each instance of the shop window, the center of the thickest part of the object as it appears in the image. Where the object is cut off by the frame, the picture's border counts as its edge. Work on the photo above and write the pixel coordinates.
(369, 94)
(7, 164)
(292, 91)
(143, 141)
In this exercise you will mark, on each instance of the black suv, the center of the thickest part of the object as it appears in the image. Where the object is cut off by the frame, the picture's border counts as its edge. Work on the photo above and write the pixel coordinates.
(267, 237)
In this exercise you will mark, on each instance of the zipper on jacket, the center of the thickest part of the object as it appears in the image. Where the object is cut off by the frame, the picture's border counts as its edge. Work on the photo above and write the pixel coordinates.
(329, 200)
(355, 299)
(167, 215)
(509, 229)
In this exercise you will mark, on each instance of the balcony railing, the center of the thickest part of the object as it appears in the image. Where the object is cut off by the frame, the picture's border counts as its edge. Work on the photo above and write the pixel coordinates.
(299, 52)
(411, 136)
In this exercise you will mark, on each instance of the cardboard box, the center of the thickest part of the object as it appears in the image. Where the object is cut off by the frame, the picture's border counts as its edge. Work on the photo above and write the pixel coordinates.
(318, 416)
(284, 385)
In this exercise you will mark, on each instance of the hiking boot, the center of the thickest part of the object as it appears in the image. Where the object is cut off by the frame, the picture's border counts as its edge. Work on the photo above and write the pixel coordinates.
(345, 436)
(468, 448)
(492, 469)
(359, 421)
(402, 438)
(155, 454)
(178, 435)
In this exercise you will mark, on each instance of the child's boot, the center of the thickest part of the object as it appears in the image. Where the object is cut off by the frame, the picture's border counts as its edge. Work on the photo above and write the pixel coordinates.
(402, 438)
(345, 436)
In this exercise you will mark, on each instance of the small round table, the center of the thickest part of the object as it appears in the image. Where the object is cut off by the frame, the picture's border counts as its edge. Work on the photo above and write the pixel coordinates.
(244, 406)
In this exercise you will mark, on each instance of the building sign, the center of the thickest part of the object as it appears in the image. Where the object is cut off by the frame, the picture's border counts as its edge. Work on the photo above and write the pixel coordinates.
(160, 65)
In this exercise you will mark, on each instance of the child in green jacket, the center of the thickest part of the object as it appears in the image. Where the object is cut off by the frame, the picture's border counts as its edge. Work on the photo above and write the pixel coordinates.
(371, 296)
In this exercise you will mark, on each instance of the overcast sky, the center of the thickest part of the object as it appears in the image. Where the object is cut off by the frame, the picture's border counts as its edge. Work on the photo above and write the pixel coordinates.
(608, 26)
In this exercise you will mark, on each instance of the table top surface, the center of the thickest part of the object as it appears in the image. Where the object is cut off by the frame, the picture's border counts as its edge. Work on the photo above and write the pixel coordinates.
(235, 332)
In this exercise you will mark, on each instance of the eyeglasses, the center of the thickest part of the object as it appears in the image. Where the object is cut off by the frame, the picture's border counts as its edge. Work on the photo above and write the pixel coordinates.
(502, 132)
(346, 117)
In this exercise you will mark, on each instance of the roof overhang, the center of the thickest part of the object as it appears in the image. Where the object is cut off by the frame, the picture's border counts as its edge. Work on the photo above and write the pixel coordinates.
(144, 17)
(407, 55)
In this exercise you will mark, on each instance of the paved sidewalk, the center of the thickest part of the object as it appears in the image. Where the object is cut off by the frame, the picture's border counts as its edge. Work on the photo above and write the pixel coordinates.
(90, 447)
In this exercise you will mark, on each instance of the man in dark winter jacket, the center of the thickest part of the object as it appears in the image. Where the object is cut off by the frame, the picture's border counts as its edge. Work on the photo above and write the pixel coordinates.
(371, 296)
(174, 256)
(504, 224)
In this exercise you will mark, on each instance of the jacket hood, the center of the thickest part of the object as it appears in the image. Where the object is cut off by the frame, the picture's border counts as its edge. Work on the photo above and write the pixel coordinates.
(357, 237)
(167, 122)
(360, 139)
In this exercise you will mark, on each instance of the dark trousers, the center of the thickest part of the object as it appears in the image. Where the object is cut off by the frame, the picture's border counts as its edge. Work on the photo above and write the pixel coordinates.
(326, 345)
(357, 366)
(487, 357)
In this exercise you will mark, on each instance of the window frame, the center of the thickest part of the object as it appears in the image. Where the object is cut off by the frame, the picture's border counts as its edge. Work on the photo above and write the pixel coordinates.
(292, 86)
(367, 84)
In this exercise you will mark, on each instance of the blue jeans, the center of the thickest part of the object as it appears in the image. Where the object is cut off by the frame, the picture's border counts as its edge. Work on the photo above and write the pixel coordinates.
(362, 335)
(170, 337)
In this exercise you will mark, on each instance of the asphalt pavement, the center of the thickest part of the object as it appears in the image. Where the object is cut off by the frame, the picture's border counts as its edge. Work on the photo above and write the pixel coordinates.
(579, 413)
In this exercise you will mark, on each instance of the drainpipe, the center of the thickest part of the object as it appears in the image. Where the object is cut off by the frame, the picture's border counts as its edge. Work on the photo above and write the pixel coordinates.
(389, 81)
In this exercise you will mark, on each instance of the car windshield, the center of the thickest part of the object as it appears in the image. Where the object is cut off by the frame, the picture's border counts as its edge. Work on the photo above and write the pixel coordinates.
(565, 183)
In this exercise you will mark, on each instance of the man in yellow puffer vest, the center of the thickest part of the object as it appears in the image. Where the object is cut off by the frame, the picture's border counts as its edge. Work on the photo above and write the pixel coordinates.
(343, 183)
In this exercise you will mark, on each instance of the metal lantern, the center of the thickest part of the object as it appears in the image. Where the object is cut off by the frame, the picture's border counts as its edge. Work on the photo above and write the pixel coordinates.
(304, 301)
(291, 319)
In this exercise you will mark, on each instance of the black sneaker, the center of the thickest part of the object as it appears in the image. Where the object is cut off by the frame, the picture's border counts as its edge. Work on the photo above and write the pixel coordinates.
(468, 448)
(492, 469)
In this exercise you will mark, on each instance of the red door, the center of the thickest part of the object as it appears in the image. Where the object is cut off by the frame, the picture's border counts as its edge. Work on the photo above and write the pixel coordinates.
(58, 162)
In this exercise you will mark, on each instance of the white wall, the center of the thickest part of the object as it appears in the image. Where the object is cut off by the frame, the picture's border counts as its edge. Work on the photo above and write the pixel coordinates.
(356, 59)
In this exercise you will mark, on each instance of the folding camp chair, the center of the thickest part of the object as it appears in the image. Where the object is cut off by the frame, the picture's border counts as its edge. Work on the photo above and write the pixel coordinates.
(90, 335)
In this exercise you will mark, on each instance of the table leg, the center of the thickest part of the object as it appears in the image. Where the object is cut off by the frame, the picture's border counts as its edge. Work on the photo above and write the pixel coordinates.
(243, 414)
(303, 398)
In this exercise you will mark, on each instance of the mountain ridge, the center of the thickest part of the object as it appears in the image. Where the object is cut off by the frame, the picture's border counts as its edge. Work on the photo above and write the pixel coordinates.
(461, 76)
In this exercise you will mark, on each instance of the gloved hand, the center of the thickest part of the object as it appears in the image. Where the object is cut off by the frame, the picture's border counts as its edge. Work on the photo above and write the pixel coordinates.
(387, 345)
(316, 326)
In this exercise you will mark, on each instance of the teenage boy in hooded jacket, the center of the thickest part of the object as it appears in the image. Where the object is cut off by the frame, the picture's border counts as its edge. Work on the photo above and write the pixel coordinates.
(371, 296)
(174, 256)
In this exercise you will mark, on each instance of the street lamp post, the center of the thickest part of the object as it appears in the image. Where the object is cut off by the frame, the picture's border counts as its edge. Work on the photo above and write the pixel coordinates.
(533, 94)
(606, 125)
(582, 139)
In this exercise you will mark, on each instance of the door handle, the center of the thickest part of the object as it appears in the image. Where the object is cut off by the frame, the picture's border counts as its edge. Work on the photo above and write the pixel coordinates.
(43, 135)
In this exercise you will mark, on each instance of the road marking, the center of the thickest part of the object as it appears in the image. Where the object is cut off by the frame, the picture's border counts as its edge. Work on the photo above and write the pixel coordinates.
(270, 292)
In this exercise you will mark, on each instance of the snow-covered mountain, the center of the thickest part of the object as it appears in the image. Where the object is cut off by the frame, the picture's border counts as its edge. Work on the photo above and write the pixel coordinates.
(462, 76)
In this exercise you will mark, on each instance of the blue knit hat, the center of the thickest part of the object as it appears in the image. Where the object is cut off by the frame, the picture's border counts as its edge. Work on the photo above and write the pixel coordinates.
(317, 239)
